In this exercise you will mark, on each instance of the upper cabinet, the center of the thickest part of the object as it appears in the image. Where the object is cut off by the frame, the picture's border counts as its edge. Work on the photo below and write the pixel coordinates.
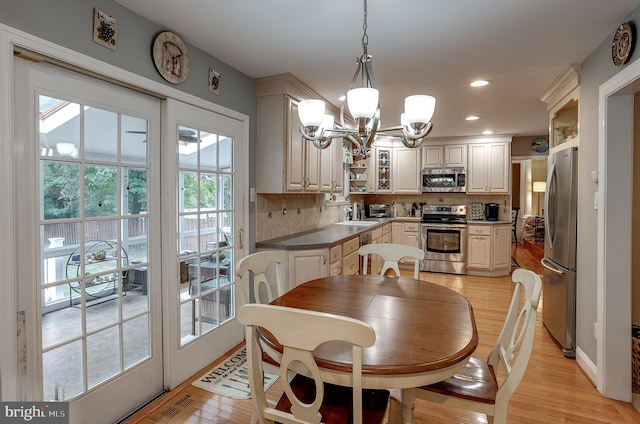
(285, 161)
(563, 100)
(489, 168)
(383, 167)
(447, 156)
(396, 170)
(406, 170)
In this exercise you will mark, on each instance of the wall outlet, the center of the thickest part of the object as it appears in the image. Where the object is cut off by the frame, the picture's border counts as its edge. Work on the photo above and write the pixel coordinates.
(595, 330)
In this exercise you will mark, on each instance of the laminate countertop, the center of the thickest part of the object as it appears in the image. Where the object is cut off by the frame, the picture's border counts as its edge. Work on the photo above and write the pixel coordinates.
(322, 237)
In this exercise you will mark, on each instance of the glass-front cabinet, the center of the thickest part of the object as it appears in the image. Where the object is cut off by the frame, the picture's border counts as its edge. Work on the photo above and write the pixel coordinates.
(383, 169)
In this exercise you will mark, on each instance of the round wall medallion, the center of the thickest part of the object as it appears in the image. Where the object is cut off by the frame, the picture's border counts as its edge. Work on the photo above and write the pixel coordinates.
(171, 57)
(540, 145)
(622, 45)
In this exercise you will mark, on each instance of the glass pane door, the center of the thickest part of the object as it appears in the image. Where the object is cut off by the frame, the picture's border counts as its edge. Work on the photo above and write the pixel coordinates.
(89, 246)
(203, 227)
(205, 219)
(94, 245)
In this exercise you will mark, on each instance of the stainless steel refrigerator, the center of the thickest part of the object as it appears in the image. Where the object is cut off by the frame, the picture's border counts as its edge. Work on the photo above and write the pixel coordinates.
(559, 284)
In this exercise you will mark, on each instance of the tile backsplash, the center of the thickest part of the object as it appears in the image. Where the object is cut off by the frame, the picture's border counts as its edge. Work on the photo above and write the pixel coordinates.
(305, 212)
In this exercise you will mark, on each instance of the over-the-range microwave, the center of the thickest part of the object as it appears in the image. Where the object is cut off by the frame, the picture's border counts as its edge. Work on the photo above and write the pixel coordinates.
(438, 180)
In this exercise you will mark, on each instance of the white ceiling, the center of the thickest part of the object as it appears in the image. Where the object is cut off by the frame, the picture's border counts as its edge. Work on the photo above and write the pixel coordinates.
(432, 47)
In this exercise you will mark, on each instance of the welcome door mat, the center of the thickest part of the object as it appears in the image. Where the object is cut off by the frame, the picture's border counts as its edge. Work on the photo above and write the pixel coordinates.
(231, 377)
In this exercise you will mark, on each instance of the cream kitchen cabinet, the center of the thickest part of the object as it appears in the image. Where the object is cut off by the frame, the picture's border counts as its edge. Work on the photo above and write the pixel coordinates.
(350, 256)
(335, 260)
(488, 168)
(386, 233)
(407, 233)
(396, 170)
(406, 171)
(489, 250)
(286, 162)
(447, 156)
(383, 157)
(562, 99)
(332, 167)
(305, 265)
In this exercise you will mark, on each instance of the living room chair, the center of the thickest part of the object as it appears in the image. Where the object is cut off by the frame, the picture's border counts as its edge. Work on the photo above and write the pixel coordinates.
(514, 221)
(391, 254)
(257, 265)
(476, 387)
(307, 398)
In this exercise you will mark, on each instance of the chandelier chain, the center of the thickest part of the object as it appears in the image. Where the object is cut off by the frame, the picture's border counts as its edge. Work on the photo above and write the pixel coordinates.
(365, 37)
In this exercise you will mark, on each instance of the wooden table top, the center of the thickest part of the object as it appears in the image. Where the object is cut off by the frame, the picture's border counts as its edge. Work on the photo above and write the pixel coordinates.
(421, 327)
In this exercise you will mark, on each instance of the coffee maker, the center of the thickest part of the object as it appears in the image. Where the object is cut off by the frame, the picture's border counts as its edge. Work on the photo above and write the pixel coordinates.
(491, 211)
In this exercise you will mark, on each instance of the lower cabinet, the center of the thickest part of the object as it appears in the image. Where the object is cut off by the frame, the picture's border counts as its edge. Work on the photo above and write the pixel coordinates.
(335, 260)
(305, 265)
(407, 233)
(350, 256)
(489, 250)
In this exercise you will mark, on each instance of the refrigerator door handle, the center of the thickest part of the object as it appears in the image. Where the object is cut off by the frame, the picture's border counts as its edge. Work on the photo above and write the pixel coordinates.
(550, 208)
(550, 267)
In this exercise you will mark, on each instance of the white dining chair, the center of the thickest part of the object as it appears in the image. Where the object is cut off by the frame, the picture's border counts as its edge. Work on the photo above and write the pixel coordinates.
(476, 388)
(257, 265)
(307, 398)
(392, 254)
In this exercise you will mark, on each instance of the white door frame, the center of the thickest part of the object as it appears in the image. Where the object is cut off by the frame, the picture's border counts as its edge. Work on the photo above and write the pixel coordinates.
(615, 162)
(10, 38)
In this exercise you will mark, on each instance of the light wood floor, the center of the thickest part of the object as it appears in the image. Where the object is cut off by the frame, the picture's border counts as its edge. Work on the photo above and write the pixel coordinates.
(554, 389)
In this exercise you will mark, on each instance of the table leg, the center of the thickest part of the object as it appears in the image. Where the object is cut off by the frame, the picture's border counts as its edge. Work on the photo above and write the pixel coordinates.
(408, 405)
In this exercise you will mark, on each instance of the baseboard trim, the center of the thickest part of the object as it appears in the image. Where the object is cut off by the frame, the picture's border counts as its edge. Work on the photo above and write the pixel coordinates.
(588, 367)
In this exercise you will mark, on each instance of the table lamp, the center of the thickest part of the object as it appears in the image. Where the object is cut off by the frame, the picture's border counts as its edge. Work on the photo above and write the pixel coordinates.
(539, 187)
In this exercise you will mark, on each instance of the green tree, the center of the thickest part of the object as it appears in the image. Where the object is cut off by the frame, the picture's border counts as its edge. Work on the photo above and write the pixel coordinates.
(61, 190)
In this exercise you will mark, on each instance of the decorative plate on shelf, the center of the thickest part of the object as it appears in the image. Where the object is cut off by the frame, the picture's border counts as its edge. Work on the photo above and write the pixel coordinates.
(540, 145)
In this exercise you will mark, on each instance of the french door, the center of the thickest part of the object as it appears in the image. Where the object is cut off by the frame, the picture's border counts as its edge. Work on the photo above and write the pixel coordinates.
(89, 275)
(203, 213)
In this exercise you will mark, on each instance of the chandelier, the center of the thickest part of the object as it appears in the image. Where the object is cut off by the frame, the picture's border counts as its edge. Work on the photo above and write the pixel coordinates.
(364, 105)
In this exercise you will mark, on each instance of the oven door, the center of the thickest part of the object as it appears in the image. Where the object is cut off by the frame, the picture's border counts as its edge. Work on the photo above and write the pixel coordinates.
(444, 242)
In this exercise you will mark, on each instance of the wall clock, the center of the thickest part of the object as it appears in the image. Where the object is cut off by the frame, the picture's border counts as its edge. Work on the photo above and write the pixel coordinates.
(171, 57)
(622, 45)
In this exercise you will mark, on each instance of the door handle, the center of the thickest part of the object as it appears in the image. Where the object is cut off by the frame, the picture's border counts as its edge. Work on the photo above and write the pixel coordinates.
(241, 237)
(550, 267)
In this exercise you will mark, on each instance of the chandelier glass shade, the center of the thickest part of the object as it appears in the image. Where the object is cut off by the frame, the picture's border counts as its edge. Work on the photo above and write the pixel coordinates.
(364, 106)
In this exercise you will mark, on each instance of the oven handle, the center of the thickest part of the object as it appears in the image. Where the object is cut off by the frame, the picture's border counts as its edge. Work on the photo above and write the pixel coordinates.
(444, 227)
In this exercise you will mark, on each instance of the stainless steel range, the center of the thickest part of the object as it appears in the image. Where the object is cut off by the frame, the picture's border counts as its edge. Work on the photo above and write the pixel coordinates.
(443, 237)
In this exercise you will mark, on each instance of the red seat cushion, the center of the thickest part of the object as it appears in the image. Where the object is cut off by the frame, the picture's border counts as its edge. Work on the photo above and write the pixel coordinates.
(477, 381)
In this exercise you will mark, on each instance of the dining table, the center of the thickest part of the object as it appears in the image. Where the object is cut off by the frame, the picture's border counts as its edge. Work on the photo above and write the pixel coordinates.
(425, 332)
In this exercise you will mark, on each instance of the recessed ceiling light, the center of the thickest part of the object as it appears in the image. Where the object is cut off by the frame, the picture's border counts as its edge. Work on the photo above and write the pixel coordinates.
(472, 118)
(479, 83)
(487, 132)
(341, 98)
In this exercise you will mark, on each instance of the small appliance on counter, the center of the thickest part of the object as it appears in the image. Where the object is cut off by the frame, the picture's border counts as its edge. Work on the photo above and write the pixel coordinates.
(377, 211)
(491, 211)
